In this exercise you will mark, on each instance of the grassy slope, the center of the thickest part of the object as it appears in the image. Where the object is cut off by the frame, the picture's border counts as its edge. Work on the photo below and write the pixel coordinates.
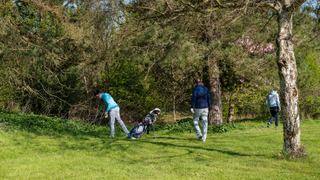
(240, 154)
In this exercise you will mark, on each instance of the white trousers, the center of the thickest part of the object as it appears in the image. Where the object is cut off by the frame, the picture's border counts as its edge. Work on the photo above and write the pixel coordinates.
(203, 113)
(115, 114)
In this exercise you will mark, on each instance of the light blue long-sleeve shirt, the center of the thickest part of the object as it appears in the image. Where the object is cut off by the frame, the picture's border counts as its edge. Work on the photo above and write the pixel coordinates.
(273, 100)
(108, 101)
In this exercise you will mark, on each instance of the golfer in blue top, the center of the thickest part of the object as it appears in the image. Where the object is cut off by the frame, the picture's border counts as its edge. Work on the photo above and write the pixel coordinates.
(200, 108)
(114, 111)
(274, 103)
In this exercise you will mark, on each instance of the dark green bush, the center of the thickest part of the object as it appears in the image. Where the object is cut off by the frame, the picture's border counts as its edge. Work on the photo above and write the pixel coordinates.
(40, 124)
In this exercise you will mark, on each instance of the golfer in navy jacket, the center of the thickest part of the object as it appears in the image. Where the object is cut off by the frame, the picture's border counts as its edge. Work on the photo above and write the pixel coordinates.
(200, 108)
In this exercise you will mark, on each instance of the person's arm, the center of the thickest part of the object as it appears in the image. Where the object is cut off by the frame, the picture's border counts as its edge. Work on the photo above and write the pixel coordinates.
(108, 108)
(194, 98)
(267, 103)
(209, 98)
(106, 99)
(278, 102)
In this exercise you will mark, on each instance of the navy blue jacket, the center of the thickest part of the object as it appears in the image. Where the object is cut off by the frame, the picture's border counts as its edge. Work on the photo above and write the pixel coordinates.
(200, 97)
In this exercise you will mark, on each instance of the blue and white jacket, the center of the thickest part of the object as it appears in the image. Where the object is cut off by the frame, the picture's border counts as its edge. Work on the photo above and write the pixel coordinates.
(273, 100)
(108, 101)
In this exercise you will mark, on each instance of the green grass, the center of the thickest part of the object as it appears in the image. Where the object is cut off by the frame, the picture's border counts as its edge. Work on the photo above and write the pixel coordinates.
(249, 152)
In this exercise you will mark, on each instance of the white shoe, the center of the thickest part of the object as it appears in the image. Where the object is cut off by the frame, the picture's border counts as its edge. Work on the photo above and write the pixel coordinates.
(203, 140)
(199, 138)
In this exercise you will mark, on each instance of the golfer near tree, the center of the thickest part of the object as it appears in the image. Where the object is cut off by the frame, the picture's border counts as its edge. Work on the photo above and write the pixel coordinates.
(200, 108)
(274, 104)
(114, 111)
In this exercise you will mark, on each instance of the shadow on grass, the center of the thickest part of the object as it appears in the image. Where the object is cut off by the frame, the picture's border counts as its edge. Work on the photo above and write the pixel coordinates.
(196, 147)
(106, 145)
(262, 118)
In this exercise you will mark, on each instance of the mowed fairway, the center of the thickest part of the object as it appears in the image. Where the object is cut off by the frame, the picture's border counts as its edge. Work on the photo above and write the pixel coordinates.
(240, 154)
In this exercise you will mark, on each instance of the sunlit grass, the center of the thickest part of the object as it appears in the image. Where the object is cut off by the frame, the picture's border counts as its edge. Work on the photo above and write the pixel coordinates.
(239, 154)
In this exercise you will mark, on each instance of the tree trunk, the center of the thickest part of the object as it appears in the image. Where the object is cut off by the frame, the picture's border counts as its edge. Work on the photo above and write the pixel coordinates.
(231, 110)
(211, 80)
(288, 89)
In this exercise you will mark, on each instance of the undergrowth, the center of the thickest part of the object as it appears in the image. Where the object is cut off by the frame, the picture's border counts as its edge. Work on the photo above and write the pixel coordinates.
(45, 125)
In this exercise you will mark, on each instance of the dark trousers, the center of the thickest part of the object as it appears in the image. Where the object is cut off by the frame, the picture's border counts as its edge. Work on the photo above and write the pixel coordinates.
(274, 114)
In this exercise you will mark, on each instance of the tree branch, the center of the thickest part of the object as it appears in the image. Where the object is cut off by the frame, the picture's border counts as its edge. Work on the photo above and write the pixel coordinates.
(249, 4)
(168, 5)
(296, 4)
(187, 3)
(267, 22)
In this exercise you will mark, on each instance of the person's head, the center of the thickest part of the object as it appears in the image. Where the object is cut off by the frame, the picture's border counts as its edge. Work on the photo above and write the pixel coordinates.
(275, 90)
(98, 94)
(197, 81)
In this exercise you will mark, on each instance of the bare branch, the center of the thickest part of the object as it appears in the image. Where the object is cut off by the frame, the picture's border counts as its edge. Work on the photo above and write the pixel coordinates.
(220, 4)
(267, 22)
(154, 61)
(296, 4)
(52, 94)
(168, 5)
(187, 3)
(249, 4)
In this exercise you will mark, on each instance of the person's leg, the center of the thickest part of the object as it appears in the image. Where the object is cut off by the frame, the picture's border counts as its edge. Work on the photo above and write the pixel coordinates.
(273, 115)
(196, 116)
(117, 115)
(271, 119)
(277, 118)
(204, 119)
(111, 122)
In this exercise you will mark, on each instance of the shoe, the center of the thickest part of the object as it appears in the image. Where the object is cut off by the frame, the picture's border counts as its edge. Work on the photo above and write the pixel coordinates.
(199, 138)
(111, 136)
(268, 125)
(203, 140)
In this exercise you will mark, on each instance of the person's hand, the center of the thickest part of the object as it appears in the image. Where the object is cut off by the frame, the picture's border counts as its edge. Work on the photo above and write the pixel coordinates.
(280, 109)
(105, 114)
(192, 110)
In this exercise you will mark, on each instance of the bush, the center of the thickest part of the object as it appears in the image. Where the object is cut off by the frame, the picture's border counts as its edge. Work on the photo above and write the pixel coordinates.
(186, 125)
(44, 125)
(40, 124)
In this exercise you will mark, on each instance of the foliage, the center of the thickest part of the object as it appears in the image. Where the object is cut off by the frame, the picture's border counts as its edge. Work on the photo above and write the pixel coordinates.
(308, 62)
(43, 125)
(186, 125)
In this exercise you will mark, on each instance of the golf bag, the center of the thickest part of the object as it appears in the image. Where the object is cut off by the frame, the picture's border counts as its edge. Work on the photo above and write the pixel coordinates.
(143, 126)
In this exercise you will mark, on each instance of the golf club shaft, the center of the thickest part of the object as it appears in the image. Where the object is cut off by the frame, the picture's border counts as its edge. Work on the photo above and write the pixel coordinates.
(154, 129)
